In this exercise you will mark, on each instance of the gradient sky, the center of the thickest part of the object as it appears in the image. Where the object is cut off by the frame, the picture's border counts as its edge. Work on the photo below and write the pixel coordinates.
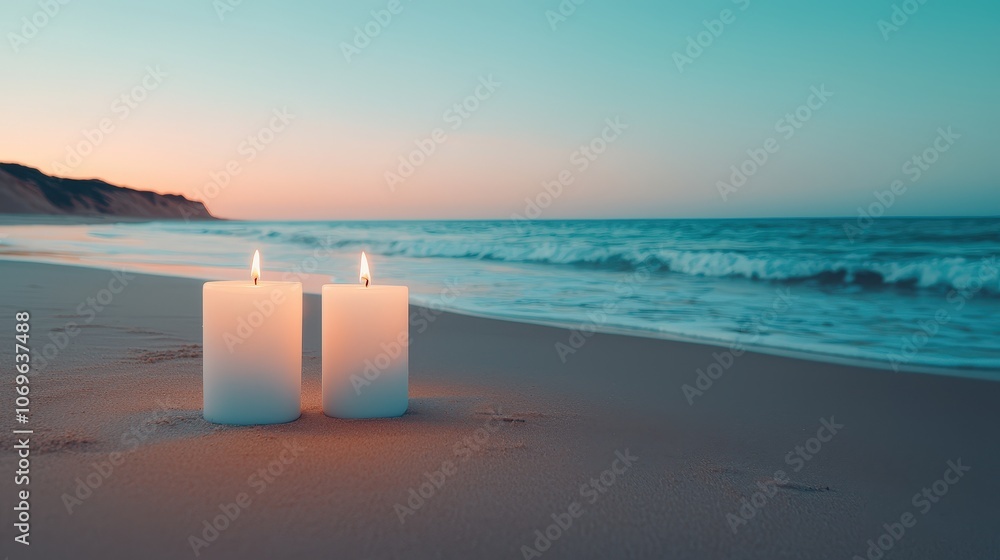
(353, 120)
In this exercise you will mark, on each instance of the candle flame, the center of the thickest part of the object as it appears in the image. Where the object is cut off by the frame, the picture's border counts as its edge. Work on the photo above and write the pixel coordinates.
(366, 275)
(255, 267)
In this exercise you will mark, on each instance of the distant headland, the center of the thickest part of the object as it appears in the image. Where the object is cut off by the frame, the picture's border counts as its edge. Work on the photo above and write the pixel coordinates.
(25, 190)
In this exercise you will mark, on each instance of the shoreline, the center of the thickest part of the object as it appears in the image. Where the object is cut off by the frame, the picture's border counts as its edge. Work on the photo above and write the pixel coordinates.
(311, 285)
(79, 219)
(984, 374)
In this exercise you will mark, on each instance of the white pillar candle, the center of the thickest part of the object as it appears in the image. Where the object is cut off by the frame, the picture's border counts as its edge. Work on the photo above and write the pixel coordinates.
(365, 349)
(252, 346)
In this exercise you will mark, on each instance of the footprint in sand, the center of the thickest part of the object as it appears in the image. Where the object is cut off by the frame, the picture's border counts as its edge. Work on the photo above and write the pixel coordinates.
(181, 352)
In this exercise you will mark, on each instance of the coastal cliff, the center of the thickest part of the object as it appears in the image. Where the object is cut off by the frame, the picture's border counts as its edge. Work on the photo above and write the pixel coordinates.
(25, 190)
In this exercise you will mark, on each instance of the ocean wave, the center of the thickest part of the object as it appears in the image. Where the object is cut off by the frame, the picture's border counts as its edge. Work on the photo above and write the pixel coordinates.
(931, 272)
(848, 267)
(922, 272)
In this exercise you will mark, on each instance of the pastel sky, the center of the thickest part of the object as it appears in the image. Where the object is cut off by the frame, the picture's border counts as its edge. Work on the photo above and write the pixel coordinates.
(219, 73)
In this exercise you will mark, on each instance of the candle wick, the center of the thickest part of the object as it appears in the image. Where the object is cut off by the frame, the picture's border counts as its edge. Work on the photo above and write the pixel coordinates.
(255, 281)
(366, 282)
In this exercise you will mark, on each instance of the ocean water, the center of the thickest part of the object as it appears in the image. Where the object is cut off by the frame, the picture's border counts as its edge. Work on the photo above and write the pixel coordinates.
(907, 293)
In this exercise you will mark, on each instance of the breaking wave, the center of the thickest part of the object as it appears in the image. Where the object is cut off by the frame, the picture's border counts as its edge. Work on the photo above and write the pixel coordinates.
(929, 272)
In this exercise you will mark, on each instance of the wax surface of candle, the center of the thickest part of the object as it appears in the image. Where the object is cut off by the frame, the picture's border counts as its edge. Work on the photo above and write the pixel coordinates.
(365, 350)
(252, 352)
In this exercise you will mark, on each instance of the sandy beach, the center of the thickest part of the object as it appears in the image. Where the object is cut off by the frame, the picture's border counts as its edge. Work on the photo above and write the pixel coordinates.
(503, 442)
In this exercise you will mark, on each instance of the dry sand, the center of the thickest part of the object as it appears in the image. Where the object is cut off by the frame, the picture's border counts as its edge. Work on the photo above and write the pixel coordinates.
(544, 428)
